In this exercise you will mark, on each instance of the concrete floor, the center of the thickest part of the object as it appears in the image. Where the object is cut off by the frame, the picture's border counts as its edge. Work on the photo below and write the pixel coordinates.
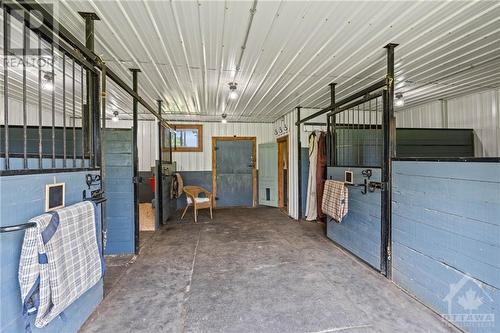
(254, 270)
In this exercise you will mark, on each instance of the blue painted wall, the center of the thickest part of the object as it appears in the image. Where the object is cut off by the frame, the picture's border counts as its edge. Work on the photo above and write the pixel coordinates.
(196, 178)
(23, 197)
(446, 229)
(359, 232)
(119, 191)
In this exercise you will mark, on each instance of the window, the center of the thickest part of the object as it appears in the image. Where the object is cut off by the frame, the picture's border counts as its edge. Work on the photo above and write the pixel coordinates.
(187, 138)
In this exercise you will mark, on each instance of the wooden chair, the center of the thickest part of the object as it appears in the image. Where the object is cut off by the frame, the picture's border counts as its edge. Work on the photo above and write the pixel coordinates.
(193, 199)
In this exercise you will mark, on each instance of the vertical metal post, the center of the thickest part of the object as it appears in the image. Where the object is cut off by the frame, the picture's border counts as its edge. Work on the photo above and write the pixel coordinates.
(333, 135)
(40, 131)
(88, 113)
(6, 48)
(135, 159)
(53, 105)
(82, 110)
(159, 177)
(74, 112)
(96, 121)
(299, 165)
(104, 96)
(64, 107)
(389, 135)
(25, 105)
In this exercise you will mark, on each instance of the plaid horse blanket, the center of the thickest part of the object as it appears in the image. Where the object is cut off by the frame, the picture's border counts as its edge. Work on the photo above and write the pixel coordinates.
(335, 200)
(60, 260)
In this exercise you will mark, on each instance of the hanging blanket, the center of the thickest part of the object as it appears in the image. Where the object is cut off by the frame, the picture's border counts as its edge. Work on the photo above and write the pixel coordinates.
(311, 200)
(335, 200)
(60, 260)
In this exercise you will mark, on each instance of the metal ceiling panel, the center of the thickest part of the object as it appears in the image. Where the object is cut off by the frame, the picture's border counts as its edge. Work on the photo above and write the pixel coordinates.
(286, 53)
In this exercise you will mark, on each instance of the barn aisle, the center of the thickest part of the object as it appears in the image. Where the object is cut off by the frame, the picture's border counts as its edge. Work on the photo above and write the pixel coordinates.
(254, 270)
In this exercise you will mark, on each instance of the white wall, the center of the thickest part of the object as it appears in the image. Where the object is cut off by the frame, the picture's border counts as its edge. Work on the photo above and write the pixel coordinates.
(293, 156)
(202, 161)
(147, 141)
(479, 111)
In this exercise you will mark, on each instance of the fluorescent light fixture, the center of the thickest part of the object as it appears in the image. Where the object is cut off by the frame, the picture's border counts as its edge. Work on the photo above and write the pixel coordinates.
(115, 116)
(224, 120)
(400, 101)
(232, 87)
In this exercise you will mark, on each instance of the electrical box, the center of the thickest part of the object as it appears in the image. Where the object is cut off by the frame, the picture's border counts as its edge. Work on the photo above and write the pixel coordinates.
(348, 177)
(54, 196)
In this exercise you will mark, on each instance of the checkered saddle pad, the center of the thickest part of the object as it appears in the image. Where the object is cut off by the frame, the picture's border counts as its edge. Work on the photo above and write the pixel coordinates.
(60, 260)
(335, 200)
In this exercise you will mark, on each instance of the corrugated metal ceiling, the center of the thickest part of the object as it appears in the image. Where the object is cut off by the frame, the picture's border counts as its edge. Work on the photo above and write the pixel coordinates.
(189, 51)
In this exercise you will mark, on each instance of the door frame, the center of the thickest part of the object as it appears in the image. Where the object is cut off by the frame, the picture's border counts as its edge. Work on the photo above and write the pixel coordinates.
(281, 185)
(253, 139)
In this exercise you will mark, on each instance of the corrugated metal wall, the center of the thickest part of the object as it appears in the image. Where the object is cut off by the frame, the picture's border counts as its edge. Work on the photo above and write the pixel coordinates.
(479, 111)
(147, 141)
(289, 120)
(188, 161)
(203, 161)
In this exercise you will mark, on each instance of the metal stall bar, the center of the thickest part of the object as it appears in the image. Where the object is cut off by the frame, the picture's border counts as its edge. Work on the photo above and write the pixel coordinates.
(158, 171)
(64, 107)
(73, 102)
(82, 110)
(389, 132)
(378, 85)
(135, 161)
(40, 111)
(90, 118)
(331, 123)
(53, 106)
(46, 30)
(299, 165)
(25, 104)
(6, 48)
(69, 38)
(104, 97)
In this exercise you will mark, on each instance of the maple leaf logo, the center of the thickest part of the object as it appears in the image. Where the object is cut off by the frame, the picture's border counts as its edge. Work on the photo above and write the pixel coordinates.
(470, 301)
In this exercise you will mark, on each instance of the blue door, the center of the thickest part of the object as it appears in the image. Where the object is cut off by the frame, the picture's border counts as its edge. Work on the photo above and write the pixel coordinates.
(119, 187)
(235, 163)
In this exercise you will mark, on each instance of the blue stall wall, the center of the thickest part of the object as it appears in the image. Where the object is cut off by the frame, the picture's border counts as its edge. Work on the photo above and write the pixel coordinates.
(118, 179)
(359, 231)
(446, 237)
(21, 198)
(195, 178)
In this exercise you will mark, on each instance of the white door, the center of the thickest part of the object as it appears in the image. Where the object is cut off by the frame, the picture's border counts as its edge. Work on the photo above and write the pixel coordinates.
(268, 174)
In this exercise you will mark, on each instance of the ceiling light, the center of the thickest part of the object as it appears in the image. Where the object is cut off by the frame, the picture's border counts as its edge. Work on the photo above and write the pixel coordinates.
(224, 120)
(400, 101)
(48, 81)
(232, 87)
(115, 116)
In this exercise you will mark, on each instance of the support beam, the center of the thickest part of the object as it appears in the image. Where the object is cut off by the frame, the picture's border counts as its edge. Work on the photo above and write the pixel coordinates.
(6, 48)
(299, 166)
(135, 159)
(91, 117)
(389, 144)
(330, 120)
(159, 173)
